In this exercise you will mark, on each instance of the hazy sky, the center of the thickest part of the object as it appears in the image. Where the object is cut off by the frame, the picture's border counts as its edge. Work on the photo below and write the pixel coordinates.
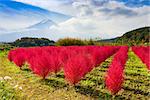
(106, 18)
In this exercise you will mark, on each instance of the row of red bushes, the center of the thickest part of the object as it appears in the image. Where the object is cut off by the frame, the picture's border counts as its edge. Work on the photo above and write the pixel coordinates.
(143, 53)
(114, 76)
(43, 60)
(75, 61)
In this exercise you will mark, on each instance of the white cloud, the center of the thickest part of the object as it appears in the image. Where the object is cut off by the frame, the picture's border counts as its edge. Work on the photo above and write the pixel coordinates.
(106, 18)
(114, 22)
(53, 5)
(105, 28)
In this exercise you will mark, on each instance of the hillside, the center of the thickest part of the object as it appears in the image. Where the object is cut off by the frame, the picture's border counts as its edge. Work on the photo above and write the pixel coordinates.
(29, 42)
(140, 35)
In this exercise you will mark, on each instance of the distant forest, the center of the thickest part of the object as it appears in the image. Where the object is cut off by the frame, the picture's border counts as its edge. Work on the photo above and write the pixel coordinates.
(29, 42)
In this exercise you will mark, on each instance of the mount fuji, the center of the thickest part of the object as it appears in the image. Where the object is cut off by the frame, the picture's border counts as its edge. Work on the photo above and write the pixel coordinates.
(44, 24)
(15, 15)
(24, 20)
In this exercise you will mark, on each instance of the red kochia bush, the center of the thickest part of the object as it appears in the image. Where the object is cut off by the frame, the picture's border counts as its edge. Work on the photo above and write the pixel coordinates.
(40, 64)
(143, 53)
(55, 61)
(100, 54)
(44, 62)
(17, 56)
(19, 60)
(10, 55)
(114, 77)
(76, 68)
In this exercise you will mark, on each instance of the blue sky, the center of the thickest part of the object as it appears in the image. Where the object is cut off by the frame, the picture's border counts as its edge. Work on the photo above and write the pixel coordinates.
(52, 3)
(131, 3)
(103, 18)
(135, 3)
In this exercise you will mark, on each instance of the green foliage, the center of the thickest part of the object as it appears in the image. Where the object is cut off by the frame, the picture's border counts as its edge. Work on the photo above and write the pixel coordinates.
(74, 41)
(7, 92)
(90, 42)
(29, 42)
(135, 37)
(5, 46)
(140, 36)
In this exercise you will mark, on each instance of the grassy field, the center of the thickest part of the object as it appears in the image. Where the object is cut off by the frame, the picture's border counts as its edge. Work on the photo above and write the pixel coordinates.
(24, 85)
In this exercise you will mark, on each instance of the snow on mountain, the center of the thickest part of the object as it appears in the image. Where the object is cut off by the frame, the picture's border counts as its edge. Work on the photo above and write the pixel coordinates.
(14, 15)
(44, 24)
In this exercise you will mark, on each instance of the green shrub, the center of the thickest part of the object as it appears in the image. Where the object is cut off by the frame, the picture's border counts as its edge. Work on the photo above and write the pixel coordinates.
(90, 42)
(70, 41)
(74, 41)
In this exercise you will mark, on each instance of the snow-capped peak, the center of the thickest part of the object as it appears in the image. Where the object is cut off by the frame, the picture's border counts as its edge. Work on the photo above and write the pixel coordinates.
(44, 24)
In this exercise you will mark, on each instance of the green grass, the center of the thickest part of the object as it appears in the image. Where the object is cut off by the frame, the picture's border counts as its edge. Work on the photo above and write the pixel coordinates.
(92, 86)
(7, 92)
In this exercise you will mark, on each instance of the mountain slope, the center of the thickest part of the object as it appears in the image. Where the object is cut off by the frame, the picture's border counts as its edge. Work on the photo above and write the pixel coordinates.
(44, 24)
(140, 34)
(135, 36)
(18, 14)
